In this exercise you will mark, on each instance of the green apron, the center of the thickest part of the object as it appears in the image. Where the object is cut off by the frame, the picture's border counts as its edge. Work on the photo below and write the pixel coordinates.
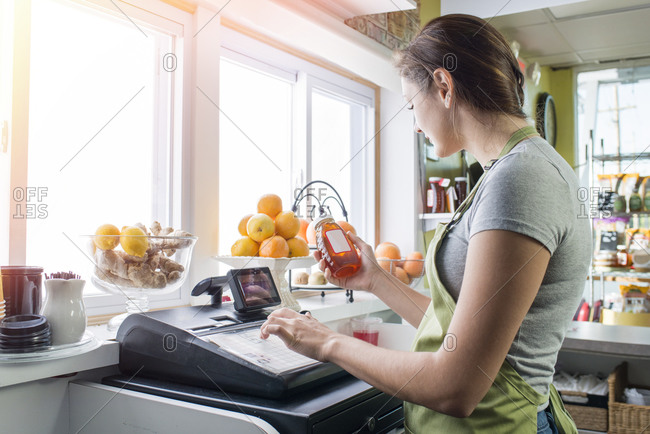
(510, 405)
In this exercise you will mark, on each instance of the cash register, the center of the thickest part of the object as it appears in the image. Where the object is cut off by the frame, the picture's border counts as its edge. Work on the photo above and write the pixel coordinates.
(213, 355)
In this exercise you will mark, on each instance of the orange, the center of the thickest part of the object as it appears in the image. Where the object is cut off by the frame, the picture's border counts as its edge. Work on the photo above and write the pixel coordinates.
(388, 250)
(287, 225)
(274, 247)
(384, 263)
(297, 247)
(242, 224)
(401, 275)
(302, 233)
(413, 265)
(244, 246)
(270, 204)
(311, 233)
(347, 227)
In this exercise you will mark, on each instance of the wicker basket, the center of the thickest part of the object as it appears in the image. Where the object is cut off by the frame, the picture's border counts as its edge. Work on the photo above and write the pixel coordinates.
(625, 418)
(587, 416)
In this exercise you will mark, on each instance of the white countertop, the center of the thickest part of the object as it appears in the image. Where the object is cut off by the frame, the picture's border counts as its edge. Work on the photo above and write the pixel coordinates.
(332, 307)
(599, 338)
(582, 337)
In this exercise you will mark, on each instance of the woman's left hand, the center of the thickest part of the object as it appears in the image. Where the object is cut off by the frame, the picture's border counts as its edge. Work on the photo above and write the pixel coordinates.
(301, 333)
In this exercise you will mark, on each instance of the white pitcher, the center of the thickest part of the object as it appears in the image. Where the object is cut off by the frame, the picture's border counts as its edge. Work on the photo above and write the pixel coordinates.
(64, 309)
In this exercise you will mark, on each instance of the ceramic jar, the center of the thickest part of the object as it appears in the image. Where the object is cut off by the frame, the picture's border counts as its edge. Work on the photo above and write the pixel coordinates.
(64, 309)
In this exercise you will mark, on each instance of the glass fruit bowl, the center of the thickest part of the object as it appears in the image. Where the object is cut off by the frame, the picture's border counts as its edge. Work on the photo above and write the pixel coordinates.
(137, 266)
(409, 271)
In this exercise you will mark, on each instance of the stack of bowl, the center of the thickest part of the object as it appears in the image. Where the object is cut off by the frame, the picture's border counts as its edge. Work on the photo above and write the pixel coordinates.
(25, 333)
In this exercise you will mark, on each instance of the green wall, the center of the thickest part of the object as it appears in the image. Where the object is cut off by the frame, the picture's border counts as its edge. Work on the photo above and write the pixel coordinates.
(429, 9)
(559, 83)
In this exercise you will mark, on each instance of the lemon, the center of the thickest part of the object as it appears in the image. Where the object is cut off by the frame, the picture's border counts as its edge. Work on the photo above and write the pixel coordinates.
(134, 241)
(107, 237)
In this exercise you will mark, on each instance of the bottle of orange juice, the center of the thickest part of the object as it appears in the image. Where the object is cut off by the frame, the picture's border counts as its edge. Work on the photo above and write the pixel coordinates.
(338, 251)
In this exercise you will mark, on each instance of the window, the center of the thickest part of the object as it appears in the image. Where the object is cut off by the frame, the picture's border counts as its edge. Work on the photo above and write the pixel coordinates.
(285, 122)
(614, 104)
(103, 132)
(6, 56)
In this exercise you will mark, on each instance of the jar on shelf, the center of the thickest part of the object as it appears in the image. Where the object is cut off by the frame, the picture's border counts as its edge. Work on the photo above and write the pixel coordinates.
(460, 185)
(22, 289)
(436, 195)
(635, 203)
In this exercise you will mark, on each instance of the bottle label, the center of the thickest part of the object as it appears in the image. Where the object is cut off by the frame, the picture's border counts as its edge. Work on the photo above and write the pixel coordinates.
(338, 240)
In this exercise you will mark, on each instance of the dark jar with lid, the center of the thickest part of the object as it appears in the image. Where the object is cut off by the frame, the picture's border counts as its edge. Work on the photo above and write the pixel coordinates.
(339, 253)
(460, 186)
(436, 195)
(22, 289)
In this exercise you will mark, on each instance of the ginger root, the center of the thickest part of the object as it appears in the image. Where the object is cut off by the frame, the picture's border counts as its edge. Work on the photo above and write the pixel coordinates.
(153, 270)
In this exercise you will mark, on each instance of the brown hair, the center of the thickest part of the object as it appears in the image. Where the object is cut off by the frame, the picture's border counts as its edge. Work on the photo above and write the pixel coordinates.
(485, 71)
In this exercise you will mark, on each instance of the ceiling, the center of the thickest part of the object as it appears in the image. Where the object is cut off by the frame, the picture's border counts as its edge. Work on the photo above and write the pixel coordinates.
(592, 31)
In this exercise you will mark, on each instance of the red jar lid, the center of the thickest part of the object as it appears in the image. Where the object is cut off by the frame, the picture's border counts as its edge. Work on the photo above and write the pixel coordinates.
(20, 270)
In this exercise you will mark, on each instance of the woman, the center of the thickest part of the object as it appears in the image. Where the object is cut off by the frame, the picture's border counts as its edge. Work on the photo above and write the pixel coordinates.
(506, 274)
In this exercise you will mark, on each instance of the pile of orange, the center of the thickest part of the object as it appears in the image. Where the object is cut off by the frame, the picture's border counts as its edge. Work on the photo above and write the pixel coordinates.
(271, 233)
(389, 257)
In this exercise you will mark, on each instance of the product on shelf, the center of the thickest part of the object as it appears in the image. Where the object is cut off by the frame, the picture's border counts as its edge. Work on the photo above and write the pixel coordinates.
(317, 278)
(301, 278)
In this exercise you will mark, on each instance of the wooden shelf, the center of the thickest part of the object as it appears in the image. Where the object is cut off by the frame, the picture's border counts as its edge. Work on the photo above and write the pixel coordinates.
(621, 276)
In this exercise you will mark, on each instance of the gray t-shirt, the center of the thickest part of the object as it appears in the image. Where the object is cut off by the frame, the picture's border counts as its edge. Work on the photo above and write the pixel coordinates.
(534, 192)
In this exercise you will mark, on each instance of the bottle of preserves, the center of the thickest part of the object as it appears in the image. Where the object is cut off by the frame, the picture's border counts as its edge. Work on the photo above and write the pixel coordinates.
(338, 251)
(460, 185)
(436, 195)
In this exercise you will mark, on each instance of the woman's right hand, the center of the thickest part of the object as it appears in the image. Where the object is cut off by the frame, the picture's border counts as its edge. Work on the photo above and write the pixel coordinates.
(362, 279)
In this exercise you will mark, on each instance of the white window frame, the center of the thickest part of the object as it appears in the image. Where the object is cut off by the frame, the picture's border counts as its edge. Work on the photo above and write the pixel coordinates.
(172, 123)
(309, 77)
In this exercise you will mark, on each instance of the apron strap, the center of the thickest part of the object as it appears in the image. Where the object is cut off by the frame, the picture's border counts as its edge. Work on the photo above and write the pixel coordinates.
(515, 138)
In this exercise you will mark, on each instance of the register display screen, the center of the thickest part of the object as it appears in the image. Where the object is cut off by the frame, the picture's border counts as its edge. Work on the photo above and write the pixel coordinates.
(253, 288)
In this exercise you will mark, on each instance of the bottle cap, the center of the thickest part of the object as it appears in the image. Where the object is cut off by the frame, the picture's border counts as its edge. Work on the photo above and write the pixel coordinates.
(460, 178)
(435, 179)
(322, 217)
